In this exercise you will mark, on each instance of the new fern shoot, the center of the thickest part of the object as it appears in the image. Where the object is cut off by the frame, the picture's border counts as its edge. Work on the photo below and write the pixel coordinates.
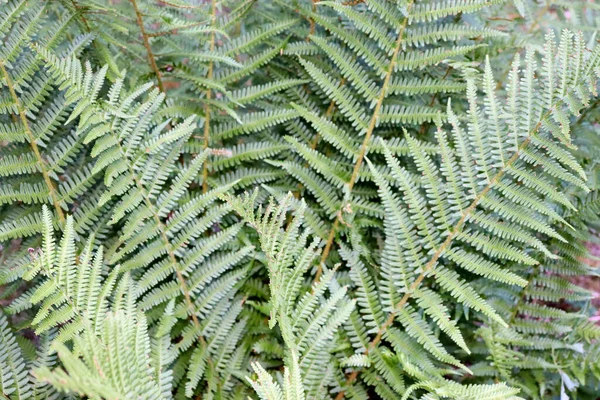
(248, 199)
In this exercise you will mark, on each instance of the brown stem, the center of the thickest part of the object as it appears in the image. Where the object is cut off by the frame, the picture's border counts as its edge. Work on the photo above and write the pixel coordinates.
(432, 262)
(145, 36)
(363, 148)
(447, 243)
(179, 5)
(311, 20)
(149, 204)
(163, 235)
(33, 142)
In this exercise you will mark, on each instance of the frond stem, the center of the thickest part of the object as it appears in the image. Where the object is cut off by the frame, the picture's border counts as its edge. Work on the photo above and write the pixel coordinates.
(145, 36)
(447, 243)
(370, 129)
(33, 142)
(162, 229)
(312, 20)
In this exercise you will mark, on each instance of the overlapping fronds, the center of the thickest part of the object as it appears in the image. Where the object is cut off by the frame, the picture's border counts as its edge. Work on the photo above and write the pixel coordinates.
(390, 64)
(424, 188)
(110, 361)
(165, 237)
(503, 184)
(307, 320)
(42, 160)
(199, 58)
(14, 374)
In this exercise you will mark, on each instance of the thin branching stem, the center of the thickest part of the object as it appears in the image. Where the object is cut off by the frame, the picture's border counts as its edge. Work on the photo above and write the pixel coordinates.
(146, 40)
(163, 235)
(438, 253)
(429, 267)
(365, 144)
(33, 143)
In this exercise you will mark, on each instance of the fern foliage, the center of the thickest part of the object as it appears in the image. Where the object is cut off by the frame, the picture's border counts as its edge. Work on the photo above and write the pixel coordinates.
(306, 322)
(371, 199)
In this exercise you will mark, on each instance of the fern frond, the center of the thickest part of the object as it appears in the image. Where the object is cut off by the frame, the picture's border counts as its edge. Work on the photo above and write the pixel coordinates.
(14, 374)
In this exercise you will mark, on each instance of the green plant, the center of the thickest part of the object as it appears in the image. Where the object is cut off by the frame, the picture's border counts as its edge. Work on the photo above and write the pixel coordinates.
(298, 200)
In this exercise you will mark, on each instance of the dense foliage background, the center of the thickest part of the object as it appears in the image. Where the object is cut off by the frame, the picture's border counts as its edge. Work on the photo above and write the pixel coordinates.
(299, 199)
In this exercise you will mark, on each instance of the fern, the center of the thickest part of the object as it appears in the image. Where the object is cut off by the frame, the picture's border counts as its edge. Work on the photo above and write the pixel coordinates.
(158, 221)
(307, 323)
(417, 249)
(372, 75)
(38, 142)
(14, 374)
(423, 183)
